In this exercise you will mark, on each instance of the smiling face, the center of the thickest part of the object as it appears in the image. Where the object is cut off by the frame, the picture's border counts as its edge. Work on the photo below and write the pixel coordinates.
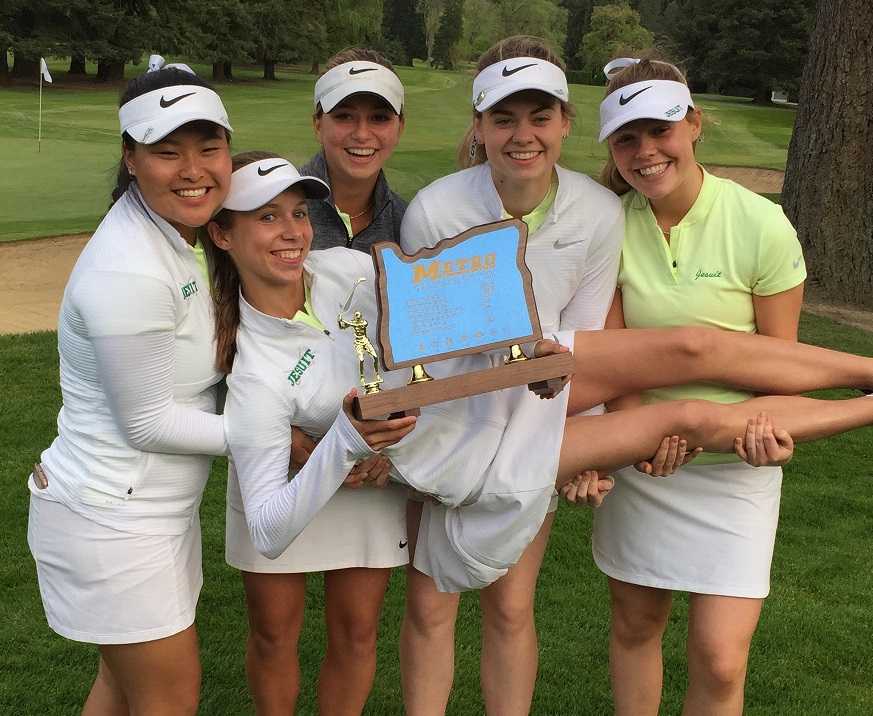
(185, 177)
(656, 157)
(522, 136)
(268, 245)
(358, 137)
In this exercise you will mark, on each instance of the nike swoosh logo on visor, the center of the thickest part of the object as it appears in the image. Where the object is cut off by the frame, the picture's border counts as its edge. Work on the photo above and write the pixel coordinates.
(353, 71)
(170, 102)
(622, 100)
(264, 172)
(508, 72)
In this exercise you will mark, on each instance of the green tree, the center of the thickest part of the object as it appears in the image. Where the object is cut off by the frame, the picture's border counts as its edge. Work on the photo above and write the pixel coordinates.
(481, 28)
(217, 31)
(578, 24)
(740, 46)
(448, 36)
(543, 18)
(487, 21)
(431, 11)
(651, 14)
(828, 191)
(615, 29)
(110, 31)
(403, 31)
(274, 25)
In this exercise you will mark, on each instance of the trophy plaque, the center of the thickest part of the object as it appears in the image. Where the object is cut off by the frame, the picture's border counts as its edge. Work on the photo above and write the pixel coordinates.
(468, 294)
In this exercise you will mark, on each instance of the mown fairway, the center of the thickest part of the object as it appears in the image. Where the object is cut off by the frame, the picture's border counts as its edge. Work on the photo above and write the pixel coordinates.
(65, 188)
(812, 653)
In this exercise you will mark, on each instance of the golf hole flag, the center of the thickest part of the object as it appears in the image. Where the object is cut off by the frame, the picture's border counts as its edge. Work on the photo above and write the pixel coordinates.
(43, 75)
(44, 70)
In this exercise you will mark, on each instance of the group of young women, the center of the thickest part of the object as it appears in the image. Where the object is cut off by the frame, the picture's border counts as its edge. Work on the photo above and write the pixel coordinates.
(146, 333)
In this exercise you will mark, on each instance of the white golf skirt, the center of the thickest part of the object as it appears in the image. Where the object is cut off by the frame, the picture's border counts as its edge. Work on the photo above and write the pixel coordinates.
(103, 586)
(708, 529)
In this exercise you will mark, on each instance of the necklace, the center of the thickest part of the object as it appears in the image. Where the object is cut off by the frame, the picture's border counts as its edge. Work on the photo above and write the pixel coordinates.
(359, 214)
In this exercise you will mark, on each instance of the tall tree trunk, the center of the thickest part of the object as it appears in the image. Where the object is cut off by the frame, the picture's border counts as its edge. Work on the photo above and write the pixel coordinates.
(228, 71)
(4, 67)
(77, 64)
(315, 68)
(828, 191)
(269, 69)
(110, 70)
(218, 72)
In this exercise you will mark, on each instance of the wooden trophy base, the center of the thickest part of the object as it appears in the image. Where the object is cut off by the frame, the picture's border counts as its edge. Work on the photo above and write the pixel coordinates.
(543, 376)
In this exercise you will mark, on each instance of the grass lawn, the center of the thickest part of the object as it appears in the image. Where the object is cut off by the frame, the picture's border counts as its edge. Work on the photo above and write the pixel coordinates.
(65, 188)
(812, 653)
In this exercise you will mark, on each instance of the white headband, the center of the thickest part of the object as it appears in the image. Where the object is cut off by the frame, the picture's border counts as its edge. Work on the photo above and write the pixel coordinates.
(153, 115)
(615, 66)
(257, 183)
(507, 77)
(652, 99)
(353, 77)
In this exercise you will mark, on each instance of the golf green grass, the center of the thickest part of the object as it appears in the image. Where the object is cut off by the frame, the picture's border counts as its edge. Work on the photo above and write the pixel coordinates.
(64, 188)
(811, 655)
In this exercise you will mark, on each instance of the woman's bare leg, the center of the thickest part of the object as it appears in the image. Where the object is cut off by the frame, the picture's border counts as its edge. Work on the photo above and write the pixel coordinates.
(353, 602)
(639, 618)
(510, 654)
(107, 697)
(613, 363)
(427, 637)
(608, 442)
(275, 606)
(720, 631)
(160, 677)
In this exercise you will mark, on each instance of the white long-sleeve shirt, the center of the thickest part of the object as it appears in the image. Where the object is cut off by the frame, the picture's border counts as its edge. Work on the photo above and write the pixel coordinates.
(574, 260)
(137, 370)
(291, 373)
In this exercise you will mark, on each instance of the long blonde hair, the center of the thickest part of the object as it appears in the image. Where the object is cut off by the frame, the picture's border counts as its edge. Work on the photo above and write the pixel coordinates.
(515, 46)
(647, 68)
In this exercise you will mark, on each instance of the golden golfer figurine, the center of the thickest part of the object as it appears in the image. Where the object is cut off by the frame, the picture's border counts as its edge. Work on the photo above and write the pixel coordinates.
(362, 344)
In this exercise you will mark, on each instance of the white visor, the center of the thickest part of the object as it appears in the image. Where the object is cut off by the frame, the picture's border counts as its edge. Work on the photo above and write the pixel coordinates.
(354, 77)
(257, 183)
(153, 115)
(507, 77)
(653, 99)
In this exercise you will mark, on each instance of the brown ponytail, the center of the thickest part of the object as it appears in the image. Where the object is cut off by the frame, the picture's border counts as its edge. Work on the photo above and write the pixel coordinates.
(225, 278)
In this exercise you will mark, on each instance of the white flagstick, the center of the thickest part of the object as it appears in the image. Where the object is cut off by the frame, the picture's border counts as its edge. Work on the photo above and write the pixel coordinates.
(39, 130)
(43, 75)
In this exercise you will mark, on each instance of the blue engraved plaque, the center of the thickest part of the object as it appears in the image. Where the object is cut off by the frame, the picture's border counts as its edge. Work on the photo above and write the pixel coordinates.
(467, 294)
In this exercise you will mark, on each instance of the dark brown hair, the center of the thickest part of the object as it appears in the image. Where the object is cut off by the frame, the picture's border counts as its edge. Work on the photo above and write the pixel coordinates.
(225, 278)
(167, 77)
(648, 68)
(515, 46)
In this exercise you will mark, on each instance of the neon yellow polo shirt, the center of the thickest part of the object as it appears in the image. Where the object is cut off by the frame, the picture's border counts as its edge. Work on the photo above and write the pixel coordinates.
(347, 222)
(537, 216)
(730, 246)
(307, 314)
(200, 257)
